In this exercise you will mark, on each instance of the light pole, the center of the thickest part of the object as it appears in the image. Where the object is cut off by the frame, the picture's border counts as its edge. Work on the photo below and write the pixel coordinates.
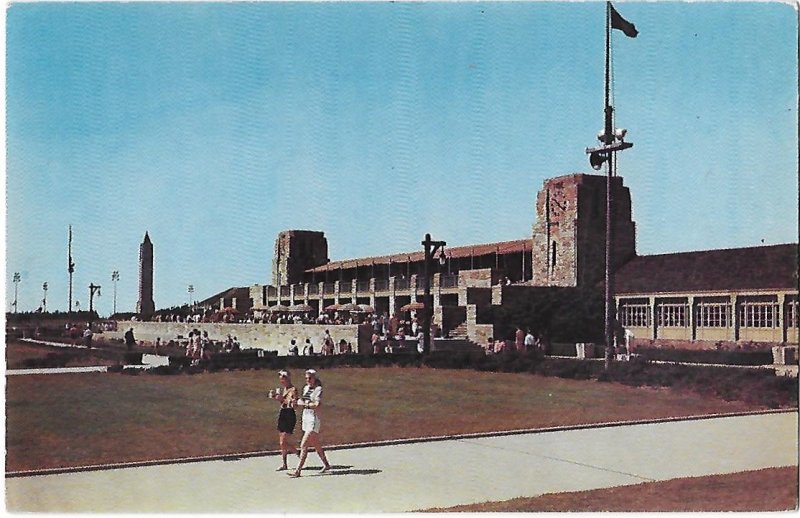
(16, 280)
(114, 279)
(431, 247)
(44, 298)
(190, 289)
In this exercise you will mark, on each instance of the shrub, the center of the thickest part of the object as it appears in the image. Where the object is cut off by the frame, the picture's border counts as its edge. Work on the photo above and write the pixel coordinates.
(716, 356)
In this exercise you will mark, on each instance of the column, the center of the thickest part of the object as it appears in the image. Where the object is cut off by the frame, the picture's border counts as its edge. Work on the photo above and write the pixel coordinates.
(735, 324)
(321, 293)
(391, 297)
(653, 318)
(354, 290)
(782, 317)
(336, 288)
(372, 292)
(692, 319)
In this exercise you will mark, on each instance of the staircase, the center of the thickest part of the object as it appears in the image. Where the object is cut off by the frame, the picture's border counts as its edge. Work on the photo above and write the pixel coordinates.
(460, 332)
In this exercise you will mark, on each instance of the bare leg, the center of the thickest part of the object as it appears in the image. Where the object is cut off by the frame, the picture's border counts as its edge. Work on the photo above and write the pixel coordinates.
(315, 442)
(303, 455)
(284, 448)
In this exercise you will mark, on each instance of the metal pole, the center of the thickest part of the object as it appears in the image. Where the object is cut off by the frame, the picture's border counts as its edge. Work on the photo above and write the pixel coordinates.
(609, 138)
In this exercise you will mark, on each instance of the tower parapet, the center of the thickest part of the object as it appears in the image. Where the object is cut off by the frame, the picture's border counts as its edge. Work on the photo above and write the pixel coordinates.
(295, 252)
(569, 233)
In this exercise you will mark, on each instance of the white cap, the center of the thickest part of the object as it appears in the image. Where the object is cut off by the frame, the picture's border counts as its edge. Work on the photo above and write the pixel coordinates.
(311, 372)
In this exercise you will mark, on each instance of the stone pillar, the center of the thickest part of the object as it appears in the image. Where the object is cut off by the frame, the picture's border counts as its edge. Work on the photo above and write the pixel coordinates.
(354, 290)
(692, 320)
(782, 317)
(336, 291)
(391, 297)
(292, 294)
(321, 293)
(734, 336)
(653, 317)
(372, 292)
(305, 293)
(436, 289)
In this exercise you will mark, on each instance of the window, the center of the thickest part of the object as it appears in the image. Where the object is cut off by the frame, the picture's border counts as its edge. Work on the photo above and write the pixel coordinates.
(792, 314)
(671, 314)
(634, 314)
(713, 314)
(758, 313)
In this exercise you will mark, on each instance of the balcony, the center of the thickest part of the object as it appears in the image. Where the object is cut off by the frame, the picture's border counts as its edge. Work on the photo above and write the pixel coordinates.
(381, 284)
(401, 283)
(285, 291)
(328, 288)
(362, 287)
(272, 291)
(313, 289)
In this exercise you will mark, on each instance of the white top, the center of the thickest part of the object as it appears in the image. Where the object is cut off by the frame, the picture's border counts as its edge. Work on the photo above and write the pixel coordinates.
(312, 395)
(529, 339)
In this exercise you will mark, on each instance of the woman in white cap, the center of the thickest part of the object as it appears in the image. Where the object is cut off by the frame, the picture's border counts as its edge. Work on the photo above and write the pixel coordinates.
(311, 401)
(287, 419)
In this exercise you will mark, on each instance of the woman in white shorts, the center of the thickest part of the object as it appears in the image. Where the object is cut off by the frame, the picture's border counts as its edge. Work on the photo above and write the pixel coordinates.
(310, 402)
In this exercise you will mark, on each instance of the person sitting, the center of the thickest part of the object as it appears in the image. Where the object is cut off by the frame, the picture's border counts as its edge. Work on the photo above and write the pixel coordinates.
(293, 350)
(236, 346)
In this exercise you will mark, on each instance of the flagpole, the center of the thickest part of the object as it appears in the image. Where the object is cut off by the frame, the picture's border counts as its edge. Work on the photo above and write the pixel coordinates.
(609, 136)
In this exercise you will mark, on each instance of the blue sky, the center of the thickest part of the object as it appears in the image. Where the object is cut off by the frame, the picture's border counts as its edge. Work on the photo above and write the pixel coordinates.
(215, 126)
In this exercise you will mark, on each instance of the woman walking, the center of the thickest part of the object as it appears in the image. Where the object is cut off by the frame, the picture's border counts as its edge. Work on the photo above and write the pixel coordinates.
(287, 395)
(311, 402)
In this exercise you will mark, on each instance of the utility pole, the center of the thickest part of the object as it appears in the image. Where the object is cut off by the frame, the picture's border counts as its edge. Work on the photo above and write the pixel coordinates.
(44, 298)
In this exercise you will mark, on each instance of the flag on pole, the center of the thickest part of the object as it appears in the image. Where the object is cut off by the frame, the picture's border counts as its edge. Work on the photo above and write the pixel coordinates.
(618, 22)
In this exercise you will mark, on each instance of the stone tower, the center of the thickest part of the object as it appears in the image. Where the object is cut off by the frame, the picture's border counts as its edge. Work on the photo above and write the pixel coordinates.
(146, 307)
(569, 233)
(295, 252)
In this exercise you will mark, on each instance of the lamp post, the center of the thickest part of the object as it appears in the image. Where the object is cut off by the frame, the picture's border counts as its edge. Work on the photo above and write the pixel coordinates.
(44, 298)
(114, 279)
(431, 247)
(93, 288)
(16, 280)
(190, 289)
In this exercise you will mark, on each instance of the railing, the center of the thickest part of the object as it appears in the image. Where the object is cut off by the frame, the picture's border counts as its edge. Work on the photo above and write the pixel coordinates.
(328, 288)
(401, 284)
(381, 284)
(362, 286)
(449, 281)
(313, 289)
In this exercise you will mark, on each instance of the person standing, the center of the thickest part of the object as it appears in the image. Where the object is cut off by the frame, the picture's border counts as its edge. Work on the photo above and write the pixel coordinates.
(311, 401)
(530, 341)
(287, 418)
(130, 341)
(519, 339)
(87, 336)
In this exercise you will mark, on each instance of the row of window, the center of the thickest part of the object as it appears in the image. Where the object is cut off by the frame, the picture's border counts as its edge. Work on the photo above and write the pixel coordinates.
(758, 314)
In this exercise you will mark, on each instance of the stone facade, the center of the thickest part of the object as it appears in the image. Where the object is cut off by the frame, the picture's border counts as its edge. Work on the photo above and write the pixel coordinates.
(295, 252)
(145, 306)
(569, 233)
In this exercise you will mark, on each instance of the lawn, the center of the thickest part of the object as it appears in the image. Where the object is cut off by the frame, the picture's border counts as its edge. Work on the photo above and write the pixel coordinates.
(773, 489)
(80, 419)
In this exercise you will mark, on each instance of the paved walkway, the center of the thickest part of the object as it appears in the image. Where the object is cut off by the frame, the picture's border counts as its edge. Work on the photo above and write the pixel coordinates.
(407, 477)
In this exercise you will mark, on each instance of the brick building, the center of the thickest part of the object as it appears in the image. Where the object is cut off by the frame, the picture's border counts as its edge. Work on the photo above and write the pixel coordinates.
(564, 256)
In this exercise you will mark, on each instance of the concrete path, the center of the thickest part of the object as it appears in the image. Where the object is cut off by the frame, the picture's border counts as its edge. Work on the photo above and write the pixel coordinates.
(407, 477)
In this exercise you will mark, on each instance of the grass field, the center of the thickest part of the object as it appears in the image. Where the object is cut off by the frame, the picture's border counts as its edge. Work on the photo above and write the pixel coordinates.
(81, 419)
(772, 489)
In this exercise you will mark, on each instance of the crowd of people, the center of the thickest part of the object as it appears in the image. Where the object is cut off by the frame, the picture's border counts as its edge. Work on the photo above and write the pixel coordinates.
(201, 347)
(523, 341)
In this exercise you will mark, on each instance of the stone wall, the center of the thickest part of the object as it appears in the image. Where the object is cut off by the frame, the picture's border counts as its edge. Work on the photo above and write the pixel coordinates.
(701, 344)
(272, 337)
